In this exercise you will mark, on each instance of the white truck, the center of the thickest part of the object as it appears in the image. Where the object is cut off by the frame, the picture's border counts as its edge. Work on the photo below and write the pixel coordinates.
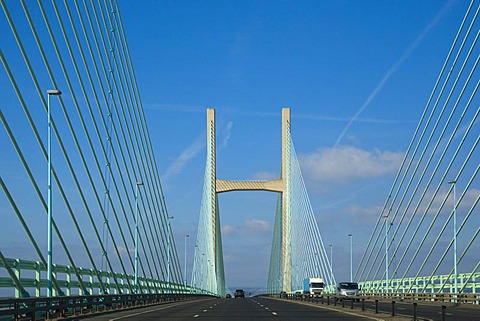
(313, 286)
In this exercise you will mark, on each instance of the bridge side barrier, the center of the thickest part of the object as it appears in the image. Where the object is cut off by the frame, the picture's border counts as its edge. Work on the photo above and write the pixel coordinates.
(325, 299)
(61, 307)
(469, 282)
(466, 298)
(30, 276)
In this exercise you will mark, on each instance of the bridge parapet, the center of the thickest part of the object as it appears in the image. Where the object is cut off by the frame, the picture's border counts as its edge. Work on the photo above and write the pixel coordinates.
(29, 274)
(468, 283)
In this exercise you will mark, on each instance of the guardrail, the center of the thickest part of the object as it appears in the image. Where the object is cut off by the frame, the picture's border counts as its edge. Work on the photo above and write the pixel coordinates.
(467, 283)
(348, 302)
(44, 308)
(470, 298)
(465, 298)
(32, 281)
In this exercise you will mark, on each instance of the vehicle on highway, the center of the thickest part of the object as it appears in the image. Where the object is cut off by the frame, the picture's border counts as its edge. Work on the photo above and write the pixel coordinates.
(313, 286)
(347, 290)
(228, 296)
(239, 293)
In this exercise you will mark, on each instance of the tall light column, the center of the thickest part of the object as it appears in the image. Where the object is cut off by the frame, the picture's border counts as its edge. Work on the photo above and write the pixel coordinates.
(386, 252)
(454, 235)
(50, 92)
(186, 236)
(168, 251)
(331, 263)
(137, 184)
(351, 257)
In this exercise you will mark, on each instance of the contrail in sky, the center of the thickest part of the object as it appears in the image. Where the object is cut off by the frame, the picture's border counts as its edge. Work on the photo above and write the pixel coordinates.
(186, 155)
(394, 68)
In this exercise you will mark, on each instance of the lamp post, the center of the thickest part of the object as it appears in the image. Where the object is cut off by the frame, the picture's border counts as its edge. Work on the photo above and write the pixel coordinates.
(331, 262)
(137, 184)
(50, 92)
(186, 236)
(386, 252)
(168, 251)
(351, 257)
(454, 235)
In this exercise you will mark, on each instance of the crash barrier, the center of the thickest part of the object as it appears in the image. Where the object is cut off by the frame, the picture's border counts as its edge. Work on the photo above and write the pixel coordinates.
(467, 298)
(464, 298)
(467, 283)
(43, 308)
(30, 280)
(333, 300)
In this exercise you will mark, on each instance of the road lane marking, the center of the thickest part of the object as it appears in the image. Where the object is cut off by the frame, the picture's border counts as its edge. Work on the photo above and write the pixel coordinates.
(339, 310)
(148, 311)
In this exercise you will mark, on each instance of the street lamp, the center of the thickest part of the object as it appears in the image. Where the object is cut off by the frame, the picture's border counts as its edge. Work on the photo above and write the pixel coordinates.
(137, 184)
(186, 235)
(454, 234)
(331, 262)
(386, 252)
(168, 251)
(351, 257)
(50, 92)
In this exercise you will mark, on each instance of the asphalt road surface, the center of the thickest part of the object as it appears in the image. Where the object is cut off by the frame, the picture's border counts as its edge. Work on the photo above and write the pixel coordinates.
(426, 311)
(239, 309)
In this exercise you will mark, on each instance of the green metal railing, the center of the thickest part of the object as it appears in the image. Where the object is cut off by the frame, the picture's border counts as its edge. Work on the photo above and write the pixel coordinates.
(467, 283)
(31, 277)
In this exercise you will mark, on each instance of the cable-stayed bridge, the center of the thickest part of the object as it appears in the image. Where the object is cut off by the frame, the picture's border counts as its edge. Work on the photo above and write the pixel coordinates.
(297, 247)
(101, 163)
(66, 72)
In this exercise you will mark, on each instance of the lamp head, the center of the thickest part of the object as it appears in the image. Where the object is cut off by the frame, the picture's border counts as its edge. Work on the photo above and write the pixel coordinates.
(54, 92)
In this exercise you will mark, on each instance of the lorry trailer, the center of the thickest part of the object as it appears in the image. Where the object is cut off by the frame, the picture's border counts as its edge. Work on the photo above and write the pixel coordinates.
(313, 286)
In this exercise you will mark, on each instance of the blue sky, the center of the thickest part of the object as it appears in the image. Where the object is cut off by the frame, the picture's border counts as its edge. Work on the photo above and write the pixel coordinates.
(356, 75)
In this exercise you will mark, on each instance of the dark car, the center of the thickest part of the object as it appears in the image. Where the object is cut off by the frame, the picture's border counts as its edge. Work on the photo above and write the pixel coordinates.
(229, 295)
(239, 293)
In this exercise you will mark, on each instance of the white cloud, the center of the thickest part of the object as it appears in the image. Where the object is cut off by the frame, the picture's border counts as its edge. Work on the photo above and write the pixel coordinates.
(348, 163)
(185, 156)
(227, 230)
(227, 133)
(265, 176)
(254, 226)
(251, 226)
(123, 251)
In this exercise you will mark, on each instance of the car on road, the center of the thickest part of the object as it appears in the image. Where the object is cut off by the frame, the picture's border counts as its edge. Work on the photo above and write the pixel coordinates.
(348, 290)
(228, 296)
(239, 293)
